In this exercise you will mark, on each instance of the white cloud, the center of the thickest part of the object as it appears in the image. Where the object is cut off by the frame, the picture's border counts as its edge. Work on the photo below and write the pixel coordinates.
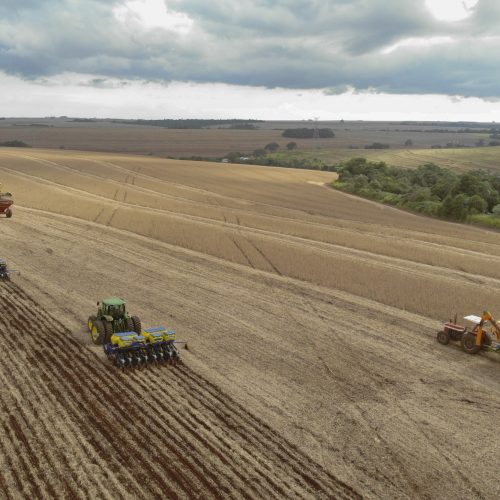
(451, 10)
(153, 14)
(417, 43)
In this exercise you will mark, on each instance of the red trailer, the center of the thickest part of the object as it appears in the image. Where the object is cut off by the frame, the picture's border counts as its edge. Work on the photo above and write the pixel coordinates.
(5, 202)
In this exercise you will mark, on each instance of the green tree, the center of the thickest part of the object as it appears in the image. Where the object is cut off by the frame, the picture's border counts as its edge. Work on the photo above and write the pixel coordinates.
(468, 184)
(234, 156)
(419, 194)
(259, 153)
(360, 181)
(272, 147)
(291, 145)
(454, 207)
(443, 188)
(477, 205)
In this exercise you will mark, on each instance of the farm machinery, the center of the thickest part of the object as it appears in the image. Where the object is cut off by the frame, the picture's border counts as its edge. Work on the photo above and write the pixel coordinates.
(125, 343)
(475, 339)
(5, 203)
(5, 272)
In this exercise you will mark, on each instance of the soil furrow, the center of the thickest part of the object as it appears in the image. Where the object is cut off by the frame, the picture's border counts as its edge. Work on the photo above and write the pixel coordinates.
(182, 455)
(220, 476)
(263, 435)
(239, 465)
(63, 402)
(97, 418)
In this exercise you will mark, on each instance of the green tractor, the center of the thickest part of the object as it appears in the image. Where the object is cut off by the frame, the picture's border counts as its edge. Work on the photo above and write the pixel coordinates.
(111, 318)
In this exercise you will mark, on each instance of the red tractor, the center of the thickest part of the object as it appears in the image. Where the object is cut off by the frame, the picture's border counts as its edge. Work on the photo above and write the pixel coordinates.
(475, 339)
(5, 203)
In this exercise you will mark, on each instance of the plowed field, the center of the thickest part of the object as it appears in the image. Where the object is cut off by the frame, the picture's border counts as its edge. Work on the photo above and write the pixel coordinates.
(312, 368)
(74, 426)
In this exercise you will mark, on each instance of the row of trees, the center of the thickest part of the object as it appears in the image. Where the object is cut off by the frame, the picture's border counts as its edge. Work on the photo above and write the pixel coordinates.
(428, 189)
(272, 147)
(308, 133)
(14, 144)
(192, 123)
(261, 157)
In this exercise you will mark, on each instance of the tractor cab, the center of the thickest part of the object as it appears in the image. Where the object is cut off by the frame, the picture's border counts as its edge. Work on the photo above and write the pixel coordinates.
(113, 307)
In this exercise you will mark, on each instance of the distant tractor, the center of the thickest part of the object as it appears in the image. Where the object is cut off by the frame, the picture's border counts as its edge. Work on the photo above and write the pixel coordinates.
(5, 272)
(5, 203)
(111, 318)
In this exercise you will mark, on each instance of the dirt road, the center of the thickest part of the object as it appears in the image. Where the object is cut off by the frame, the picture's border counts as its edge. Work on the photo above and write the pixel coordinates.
(315, 346)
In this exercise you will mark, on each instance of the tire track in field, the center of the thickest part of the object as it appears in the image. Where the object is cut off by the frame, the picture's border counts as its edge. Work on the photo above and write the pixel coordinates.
(444, 453)
(186, 439)
(378, 261)
(333, 249)
(239, 247)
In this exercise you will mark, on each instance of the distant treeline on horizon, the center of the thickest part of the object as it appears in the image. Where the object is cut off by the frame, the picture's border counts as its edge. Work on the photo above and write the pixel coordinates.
(193, 123)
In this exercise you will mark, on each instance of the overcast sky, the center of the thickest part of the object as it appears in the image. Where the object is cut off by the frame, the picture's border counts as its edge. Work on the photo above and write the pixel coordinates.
(270, 59)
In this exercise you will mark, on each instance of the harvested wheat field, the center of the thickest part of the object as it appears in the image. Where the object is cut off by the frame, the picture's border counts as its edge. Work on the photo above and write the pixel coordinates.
(312, 370)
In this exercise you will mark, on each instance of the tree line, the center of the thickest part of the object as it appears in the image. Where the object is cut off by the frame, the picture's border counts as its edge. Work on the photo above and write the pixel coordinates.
(428, 189)
(192, 123)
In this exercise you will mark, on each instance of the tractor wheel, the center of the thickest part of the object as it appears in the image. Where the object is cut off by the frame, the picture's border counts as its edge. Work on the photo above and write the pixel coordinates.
(137, 324)
(97, 333)
(90, 322)
(443, 337)
(469, 343)
(108, 331)
(129, 325)
(8, 213)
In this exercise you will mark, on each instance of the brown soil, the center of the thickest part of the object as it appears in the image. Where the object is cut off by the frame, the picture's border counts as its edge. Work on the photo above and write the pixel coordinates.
(310, 317)
(74, 426)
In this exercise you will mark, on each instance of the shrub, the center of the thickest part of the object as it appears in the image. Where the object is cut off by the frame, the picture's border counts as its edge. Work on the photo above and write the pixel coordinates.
(272, 147)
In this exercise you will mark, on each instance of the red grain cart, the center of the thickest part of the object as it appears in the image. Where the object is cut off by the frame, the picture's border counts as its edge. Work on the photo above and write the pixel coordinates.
(5, 203)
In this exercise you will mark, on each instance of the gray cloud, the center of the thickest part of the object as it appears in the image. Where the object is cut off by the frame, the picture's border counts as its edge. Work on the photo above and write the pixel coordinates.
(104, 83)
(282, 43)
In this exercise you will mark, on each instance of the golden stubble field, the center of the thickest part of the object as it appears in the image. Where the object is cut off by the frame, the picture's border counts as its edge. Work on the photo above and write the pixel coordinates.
(313, 311)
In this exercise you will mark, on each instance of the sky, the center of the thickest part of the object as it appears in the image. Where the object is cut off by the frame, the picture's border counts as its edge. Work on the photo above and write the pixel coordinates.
(262, 59)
